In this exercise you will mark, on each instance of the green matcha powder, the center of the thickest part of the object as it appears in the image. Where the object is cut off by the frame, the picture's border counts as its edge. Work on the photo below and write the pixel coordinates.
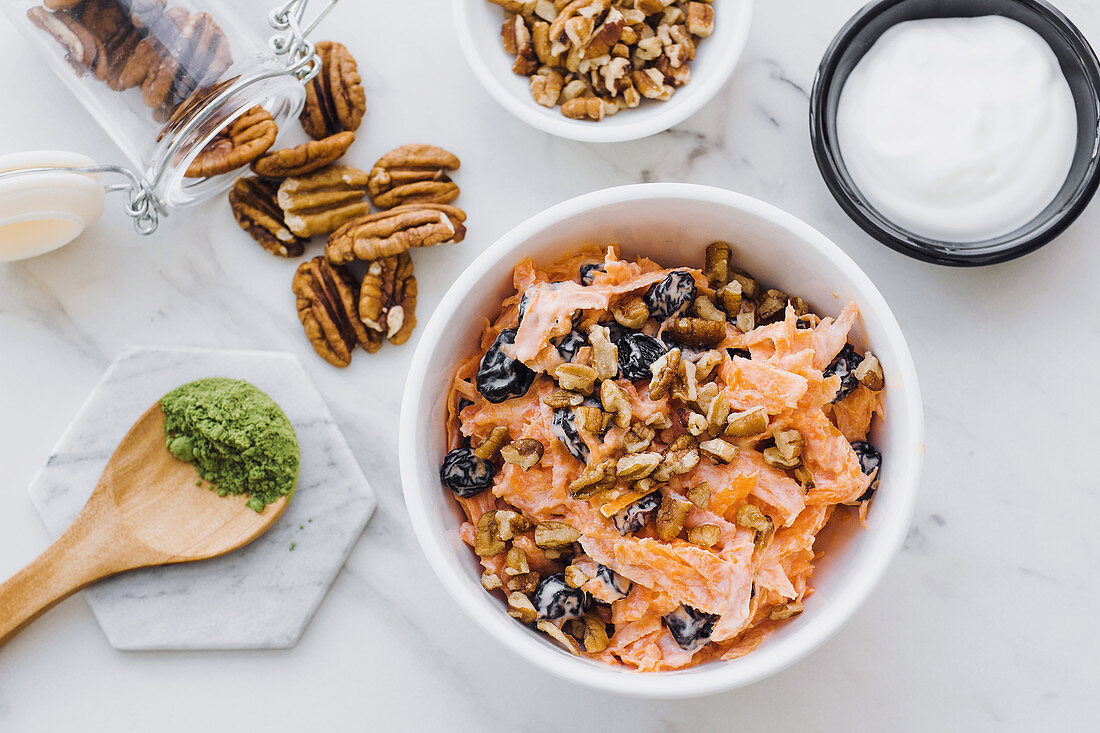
(237, 437)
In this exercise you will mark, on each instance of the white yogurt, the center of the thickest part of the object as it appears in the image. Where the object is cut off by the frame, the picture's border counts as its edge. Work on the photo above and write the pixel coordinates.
(958, 129)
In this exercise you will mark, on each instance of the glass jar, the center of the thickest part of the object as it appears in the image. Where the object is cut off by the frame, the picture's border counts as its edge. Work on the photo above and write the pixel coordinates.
(164, 77)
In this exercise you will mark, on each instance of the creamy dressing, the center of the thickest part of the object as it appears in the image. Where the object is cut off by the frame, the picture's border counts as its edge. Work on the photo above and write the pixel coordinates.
(958, 129)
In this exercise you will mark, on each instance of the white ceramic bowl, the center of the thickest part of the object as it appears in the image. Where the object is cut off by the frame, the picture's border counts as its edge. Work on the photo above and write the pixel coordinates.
(478, 23)
(671, 223)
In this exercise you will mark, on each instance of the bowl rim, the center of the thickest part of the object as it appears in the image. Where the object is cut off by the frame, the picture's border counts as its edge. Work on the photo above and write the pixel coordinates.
(699, 680)
(652, 119)
(923, 248)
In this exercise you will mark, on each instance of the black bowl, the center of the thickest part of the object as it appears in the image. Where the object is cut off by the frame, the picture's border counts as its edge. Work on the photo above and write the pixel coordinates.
(1082, 71)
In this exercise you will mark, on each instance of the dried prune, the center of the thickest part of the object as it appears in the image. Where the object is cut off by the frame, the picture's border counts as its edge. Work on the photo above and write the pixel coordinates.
(616, 331)
(588, 272)
(564, 426)
(670, 296)
(465, 474)
(568, 344)
(637, 515)
(869, 459)
(844, 366)
(500, 377)
(743, 353)
(555, 600)
(690, 627)
(612, 581)
(636, 352)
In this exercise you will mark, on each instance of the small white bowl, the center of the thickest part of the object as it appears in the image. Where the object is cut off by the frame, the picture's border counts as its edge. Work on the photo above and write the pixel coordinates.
(479, 23)
(671, 223)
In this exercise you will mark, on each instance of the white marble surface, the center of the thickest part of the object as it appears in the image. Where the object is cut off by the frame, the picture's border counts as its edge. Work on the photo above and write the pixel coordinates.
(984, 620)
(259, 597)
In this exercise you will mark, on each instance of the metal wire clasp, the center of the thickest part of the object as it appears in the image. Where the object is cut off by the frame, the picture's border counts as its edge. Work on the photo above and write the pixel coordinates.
(141, 205)
(291, 40)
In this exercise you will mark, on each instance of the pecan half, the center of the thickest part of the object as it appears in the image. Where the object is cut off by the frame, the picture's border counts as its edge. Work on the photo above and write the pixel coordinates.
(335, 99)
(241, 142)
(696, 331)
(322, 201)
(255, 209)
(387, 298)
(391, 232)
(327, 310)
(413, 174)
(304, 158)
(78, 42)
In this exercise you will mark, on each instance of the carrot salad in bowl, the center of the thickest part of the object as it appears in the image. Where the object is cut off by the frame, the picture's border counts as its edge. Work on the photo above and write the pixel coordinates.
(645, 455)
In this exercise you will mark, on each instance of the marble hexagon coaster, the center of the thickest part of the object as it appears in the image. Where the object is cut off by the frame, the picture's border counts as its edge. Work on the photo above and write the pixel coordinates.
(261, 596)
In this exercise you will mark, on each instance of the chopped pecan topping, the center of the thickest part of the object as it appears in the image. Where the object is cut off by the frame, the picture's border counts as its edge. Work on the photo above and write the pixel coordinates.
(718, 450)
(700, 18)
(525, 452)
(487, 541)
(387, 298)
(615, 402)
(510, 525)
(717, 413)
(593, 480)
(574, 577)
(786, 611)
(515, 562)
(517, 41)
(563, 398)
(413, 174)
(335, 99)
(805, 478)
(595, 634)
(696, 331)
(391, 232)
(729, 298)
(492, 444)
(605, 355)
(665, 369)
(705, 535)
(704, 308)
(749, 287)
(593, 419)
(523, 583)
(241, 142)
(631, 312)
(555, 633)
(520, 606)
(746, 321)
(491, 581)
(304, 158)
(772, 305)
(705, 365)
(678, 460)
(747, 424)
(716, 264)
(576, 378)
(322, 201)
(787, 452)
(671, 516)
(637, 466)
(699, 494)
(749, 516)
(638, 438)
(869, 373)
(253, 203)
(327, 310)
(555, 535)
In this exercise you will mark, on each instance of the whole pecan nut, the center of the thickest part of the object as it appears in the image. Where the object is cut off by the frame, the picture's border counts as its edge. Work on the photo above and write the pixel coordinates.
(327, 309)
(241, 142)
(77, 41)
(255, 209)
(392, 232)
(387, 298)
(335, 99)
(304, 158)
(413, 174)
(322, 201)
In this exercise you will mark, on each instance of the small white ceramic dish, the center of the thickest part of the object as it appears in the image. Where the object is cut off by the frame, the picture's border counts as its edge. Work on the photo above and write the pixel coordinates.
(479, 22)
(671, 223)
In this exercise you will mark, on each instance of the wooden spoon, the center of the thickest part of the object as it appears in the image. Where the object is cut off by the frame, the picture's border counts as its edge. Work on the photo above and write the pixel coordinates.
(146, 510)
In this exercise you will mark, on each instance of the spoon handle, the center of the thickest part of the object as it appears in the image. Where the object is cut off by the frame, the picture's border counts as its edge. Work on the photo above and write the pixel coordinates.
(82, 555)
